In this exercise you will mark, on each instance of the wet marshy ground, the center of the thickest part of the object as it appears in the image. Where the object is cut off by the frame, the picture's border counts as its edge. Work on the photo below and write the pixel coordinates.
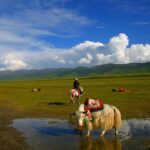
(45, 134)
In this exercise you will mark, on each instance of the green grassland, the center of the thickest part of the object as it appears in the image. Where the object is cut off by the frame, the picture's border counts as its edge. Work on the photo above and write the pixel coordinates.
(17, 101)
(16, 96)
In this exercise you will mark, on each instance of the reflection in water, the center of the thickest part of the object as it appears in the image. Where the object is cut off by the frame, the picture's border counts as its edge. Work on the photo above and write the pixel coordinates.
(45, 134)
(100, 144)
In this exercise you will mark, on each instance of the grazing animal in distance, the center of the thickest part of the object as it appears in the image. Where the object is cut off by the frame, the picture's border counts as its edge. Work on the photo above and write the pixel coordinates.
(36, 90)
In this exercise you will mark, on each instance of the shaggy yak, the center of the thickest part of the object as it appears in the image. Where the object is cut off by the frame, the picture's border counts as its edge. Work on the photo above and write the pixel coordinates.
(75, 95)
(102, 116)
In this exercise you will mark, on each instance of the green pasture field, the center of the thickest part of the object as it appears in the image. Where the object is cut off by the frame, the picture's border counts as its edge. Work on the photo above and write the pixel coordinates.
(17, 99)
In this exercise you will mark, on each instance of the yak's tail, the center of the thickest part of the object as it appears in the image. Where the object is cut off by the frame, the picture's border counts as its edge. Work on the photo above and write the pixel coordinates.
(117, 118)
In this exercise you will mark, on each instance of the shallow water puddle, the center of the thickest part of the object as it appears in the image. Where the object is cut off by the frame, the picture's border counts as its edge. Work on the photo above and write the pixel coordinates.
(46, 134)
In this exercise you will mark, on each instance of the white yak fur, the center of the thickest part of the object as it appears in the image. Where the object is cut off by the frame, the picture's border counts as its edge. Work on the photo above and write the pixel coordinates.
(108, 118)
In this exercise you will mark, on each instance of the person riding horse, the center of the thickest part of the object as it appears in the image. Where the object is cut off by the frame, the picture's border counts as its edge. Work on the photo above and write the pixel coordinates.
(76, 85)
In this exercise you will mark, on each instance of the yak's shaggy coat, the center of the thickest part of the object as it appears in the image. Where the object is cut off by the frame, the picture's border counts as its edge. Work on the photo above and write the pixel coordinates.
(108, 118)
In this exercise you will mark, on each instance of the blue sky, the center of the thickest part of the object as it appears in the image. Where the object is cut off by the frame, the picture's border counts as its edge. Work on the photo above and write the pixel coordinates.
(37, 34)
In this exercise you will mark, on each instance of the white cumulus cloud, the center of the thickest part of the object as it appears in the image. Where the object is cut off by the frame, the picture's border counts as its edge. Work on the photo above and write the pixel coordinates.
(12, 63)
(139, 53)
(88, 44)
(86, 60)
(88, 53)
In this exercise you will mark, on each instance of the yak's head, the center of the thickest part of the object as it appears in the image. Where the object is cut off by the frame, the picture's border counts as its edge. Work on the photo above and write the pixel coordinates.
(84, 116)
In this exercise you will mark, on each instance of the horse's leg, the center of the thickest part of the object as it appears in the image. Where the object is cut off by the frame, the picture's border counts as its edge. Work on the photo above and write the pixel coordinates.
(78, 100)
(72, 101)
(103, 132)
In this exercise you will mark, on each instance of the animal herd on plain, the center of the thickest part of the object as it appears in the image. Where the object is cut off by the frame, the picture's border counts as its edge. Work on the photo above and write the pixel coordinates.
(93, 114)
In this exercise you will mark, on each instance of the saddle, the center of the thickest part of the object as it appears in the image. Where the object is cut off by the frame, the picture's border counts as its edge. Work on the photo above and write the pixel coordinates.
(79, 91)
(93, 104)
(73, 93)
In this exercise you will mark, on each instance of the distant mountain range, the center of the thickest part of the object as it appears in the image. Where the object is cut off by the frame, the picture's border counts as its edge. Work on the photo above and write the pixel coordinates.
(107, 69)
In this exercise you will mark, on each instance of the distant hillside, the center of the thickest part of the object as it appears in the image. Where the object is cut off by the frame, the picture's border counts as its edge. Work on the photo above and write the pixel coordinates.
(108, 69)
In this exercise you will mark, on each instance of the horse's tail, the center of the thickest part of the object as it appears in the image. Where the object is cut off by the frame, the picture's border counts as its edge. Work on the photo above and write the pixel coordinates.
(70, 95)
(117, 118)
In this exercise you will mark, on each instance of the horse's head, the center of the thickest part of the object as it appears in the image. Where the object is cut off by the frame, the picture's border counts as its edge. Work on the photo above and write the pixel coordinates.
(81, 89)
